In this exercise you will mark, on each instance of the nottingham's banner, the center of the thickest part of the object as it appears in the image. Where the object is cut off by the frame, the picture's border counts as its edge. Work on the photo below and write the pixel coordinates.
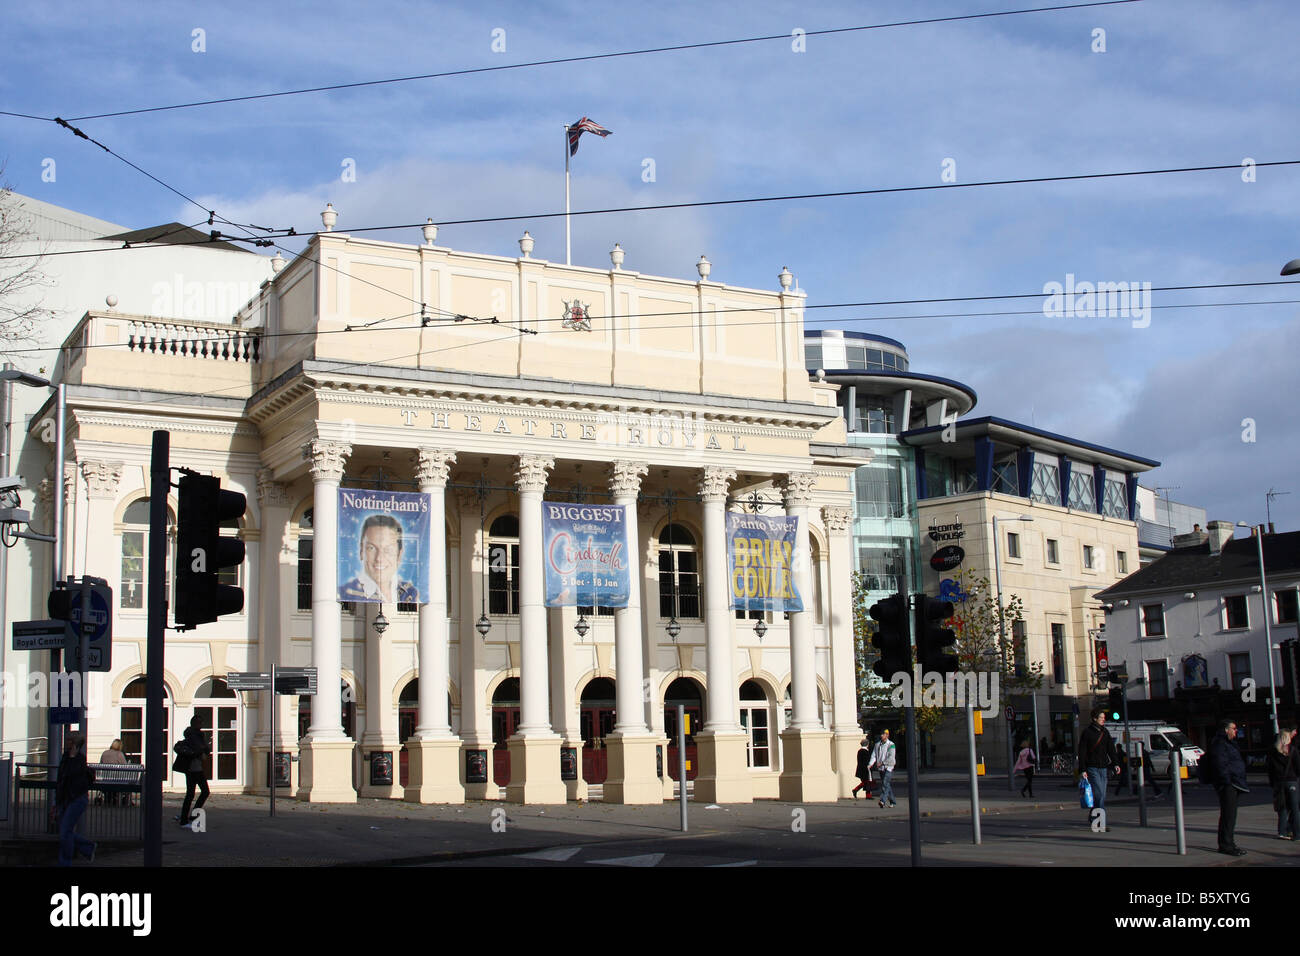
(586, 555)
(383, 546)
(760, 562)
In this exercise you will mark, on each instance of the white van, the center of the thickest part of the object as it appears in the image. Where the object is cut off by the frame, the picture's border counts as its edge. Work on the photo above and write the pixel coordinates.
(1160, 740)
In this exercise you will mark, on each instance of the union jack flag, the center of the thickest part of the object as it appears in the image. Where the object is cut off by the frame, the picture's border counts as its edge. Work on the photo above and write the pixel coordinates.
(587, 126)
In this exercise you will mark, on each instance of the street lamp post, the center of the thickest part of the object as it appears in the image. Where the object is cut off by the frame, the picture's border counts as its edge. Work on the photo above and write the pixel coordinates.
(1002, 640)
(1268, 630)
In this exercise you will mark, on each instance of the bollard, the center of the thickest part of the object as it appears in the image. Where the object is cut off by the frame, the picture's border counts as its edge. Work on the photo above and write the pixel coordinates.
(1175, 763)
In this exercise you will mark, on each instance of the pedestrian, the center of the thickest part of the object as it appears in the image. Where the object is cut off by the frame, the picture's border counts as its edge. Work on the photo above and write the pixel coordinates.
(112, 755)
(1227, 772)
(1293, 779)
(863, 771)
(1282, 778)
(884, 756)
(1149, 772)
(1120, 780)
(196, 747)
(72, 794)
(1025, 764)
(1097, 759)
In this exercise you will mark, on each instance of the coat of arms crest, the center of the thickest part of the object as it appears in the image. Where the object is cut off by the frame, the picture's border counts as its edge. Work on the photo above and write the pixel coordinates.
(576, 317)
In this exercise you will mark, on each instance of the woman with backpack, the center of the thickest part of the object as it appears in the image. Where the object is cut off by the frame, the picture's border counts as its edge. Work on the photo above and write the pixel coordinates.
(189, 759)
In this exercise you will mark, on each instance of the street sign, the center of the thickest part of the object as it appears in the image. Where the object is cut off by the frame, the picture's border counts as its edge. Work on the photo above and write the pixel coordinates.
(248, 680)
(295, 680)
(97, 658)
(99, 627)
(65, 715)
(41, 635)
(1011, 714)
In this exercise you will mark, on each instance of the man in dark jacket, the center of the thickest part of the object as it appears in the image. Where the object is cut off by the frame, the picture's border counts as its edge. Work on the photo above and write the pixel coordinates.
(1097, 758)
(73, 795)
(1228, 771)
(195, 777)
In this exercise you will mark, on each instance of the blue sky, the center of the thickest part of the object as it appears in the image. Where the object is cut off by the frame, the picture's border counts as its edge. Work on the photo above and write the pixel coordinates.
(1181, 83)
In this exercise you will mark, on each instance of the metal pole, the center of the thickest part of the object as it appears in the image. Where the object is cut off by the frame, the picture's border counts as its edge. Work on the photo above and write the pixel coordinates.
(155, 736)
(6, 402)
(1002, 645)
(1268, 632)
(681, 758)
(568, 256)
(1128, 740)
(974, 779)
(84, 664)
(272, 772)
(1176, 761)
(1141, 781)
(54, 732)
(913, 797)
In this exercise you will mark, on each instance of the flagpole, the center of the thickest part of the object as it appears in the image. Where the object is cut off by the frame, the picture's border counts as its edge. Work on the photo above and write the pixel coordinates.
(568, 259)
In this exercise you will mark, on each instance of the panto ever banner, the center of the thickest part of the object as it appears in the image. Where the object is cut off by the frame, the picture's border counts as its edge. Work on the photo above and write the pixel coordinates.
(760, 562)
(585, 554)
(383, 546)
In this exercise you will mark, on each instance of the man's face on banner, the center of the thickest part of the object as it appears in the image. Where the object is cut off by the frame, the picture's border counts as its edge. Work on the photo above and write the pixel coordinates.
(381, 552)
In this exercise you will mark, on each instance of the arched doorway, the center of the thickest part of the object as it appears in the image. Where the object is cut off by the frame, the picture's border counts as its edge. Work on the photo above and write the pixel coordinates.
(686, 692)
(408, 718)
(132, 723)
(219, 721)
(505, 721)
(596, 719)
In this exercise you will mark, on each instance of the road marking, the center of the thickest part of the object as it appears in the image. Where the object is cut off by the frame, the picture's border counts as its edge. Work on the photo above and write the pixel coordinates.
(554, 856)
(648, 859)
(718, 866)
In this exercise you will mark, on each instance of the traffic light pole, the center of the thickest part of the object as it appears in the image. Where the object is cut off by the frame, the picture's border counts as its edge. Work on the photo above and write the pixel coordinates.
(155, 737)
(913, 751)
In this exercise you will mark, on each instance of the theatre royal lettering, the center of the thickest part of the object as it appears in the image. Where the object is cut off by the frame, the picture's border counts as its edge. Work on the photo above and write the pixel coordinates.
(623, 429)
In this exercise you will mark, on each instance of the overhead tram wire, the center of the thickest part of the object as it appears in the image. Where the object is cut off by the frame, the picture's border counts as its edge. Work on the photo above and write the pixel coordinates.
(586, 58)
(765, 322)
(292, 232)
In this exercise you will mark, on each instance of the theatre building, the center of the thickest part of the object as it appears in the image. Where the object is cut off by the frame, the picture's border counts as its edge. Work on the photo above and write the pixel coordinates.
(485, 387)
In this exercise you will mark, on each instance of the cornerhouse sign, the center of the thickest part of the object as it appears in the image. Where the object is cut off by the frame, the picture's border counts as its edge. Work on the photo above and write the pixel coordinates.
(947, 532)
(676, 432)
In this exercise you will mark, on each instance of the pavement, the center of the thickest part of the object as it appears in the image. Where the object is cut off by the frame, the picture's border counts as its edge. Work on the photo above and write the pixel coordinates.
(1049, 829)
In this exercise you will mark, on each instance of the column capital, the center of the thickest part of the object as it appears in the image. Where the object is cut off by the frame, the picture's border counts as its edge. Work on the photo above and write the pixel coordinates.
(101, 477)
(531, 472)
(327, 459)
(714, 482)
(796, 487)
(625, 477)
(837, 519)
(432, 466)
(69, 482)
(271, 493)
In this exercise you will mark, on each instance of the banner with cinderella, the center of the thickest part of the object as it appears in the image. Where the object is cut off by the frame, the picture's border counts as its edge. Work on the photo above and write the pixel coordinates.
(585, 555)
(383, 546)
(760, 562)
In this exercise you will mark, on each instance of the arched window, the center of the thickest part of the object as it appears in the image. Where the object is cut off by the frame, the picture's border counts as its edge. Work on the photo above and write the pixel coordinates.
(219, 721)
(132, 732)
(304, 564)
(135, 553)
(503, 565)
(755, 718)
(679, 573)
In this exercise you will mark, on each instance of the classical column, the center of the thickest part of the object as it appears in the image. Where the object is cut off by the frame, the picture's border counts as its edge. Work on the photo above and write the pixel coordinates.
(275, 575)
(102, 478)
(839, 624)
(434, 754)
(724, 775)
(325, 774)
(475, 706)
(535, 750)
(806, 745)
(633, 777)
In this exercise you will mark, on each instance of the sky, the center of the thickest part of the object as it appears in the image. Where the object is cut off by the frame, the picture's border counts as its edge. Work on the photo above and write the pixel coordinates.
(1152, 84)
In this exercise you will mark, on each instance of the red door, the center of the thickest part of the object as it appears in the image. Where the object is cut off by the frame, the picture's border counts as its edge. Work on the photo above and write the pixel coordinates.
(505, 722)
(670, 755)
(596, 722)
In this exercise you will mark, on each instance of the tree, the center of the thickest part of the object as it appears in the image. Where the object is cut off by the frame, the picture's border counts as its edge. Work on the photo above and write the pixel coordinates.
(986, 637)
(21, 315)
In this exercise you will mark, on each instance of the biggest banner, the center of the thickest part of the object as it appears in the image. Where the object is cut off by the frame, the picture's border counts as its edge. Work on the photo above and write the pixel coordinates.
(383, 546)
(585, 555)
(760, 562)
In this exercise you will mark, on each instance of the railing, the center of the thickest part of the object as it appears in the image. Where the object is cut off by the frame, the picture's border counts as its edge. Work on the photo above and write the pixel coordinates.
(19, 754)
(226, 344)
(115, 810)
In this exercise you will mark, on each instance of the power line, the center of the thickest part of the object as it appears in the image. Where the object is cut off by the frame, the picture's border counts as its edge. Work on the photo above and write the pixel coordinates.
(585, 59)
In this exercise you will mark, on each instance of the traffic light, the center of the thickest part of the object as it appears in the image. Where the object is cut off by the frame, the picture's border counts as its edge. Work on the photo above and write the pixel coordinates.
(932, 638)
(1115, 704)
(891, 637)
(201, 551)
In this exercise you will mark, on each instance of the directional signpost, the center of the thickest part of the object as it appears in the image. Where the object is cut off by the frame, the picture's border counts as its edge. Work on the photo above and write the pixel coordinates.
(41, 635)
(285, 680)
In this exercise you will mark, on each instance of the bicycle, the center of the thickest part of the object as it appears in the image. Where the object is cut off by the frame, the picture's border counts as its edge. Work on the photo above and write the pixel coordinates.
(1063, 764)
